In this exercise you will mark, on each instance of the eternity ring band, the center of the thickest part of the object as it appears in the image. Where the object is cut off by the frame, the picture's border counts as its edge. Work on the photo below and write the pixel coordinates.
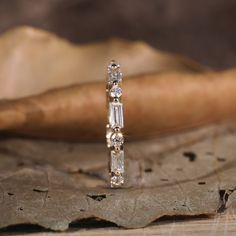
(114, 135)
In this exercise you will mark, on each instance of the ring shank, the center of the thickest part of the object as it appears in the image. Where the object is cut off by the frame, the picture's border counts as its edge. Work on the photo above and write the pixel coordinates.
(114, 136)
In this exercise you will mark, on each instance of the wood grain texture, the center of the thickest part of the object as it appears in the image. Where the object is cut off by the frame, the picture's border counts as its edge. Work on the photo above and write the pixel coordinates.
(52, 184)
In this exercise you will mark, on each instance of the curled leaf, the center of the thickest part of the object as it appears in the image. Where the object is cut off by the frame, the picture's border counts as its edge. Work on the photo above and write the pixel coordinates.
(33, 61)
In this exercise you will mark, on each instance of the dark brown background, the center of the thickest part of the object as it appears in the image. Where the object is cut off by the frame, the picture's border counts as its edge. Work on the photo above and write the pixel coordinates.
(203, 30)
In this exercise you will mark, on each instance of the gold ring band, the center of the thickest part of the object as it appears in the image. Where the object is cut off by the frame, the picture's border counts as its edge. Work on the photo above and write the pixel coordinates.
(114, 135)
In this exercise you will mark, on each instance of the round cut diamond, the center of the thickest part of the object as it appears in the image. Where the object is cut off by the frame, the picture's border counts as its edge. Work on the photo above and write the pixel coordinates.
(117, 180)
(116, 91)
(117, 139)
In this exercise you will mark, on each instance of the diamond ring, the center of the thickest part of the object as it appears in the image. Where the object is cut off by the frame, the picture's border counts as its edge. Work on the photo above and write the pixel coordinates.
(114, 136)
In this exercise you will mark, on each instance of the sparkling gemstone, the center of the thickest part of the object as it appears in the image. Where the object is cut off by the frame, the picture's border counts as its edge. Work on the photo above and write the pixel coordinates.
(117, 139)
(113, 67)
(117, 180)
(115, 91)
(116, 118)
(114, 74)
(115, 77)
(117, 161)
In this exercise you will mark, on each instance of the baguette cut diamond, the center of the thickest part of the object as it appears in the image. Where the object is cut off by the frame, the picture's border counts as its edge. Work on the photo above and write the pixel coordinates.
(116, 115)
(114, 74)
(115, 77)
(117, 161)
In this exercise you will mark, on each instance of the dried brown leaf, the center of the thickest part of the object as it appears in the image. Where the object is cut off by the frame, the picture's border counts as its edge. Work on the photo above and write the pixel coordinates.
(52, 184)
(155, 104)
(33, 61)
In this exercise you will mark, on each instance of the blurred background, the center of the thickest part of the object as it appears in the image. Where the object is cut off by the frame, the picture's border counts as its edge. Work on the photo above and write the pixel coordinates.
(203, 30)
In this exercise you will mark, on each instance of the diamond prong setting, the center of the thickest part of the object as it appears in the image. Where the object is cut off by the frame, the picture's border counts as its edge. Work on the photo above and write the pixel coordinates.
(117, 139)
(114, 73)
(116, 91)
(116, 114)
(117, 180)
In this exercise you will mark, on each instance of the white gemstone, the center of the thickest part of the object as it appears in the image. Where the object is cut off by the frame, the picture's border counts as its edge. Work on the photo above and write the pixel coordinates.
(117, 139)
(114, 74)
(115, 91)
(116, 118)
(115, 77)
(117, 180)
(113, 66)
(117, 161)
